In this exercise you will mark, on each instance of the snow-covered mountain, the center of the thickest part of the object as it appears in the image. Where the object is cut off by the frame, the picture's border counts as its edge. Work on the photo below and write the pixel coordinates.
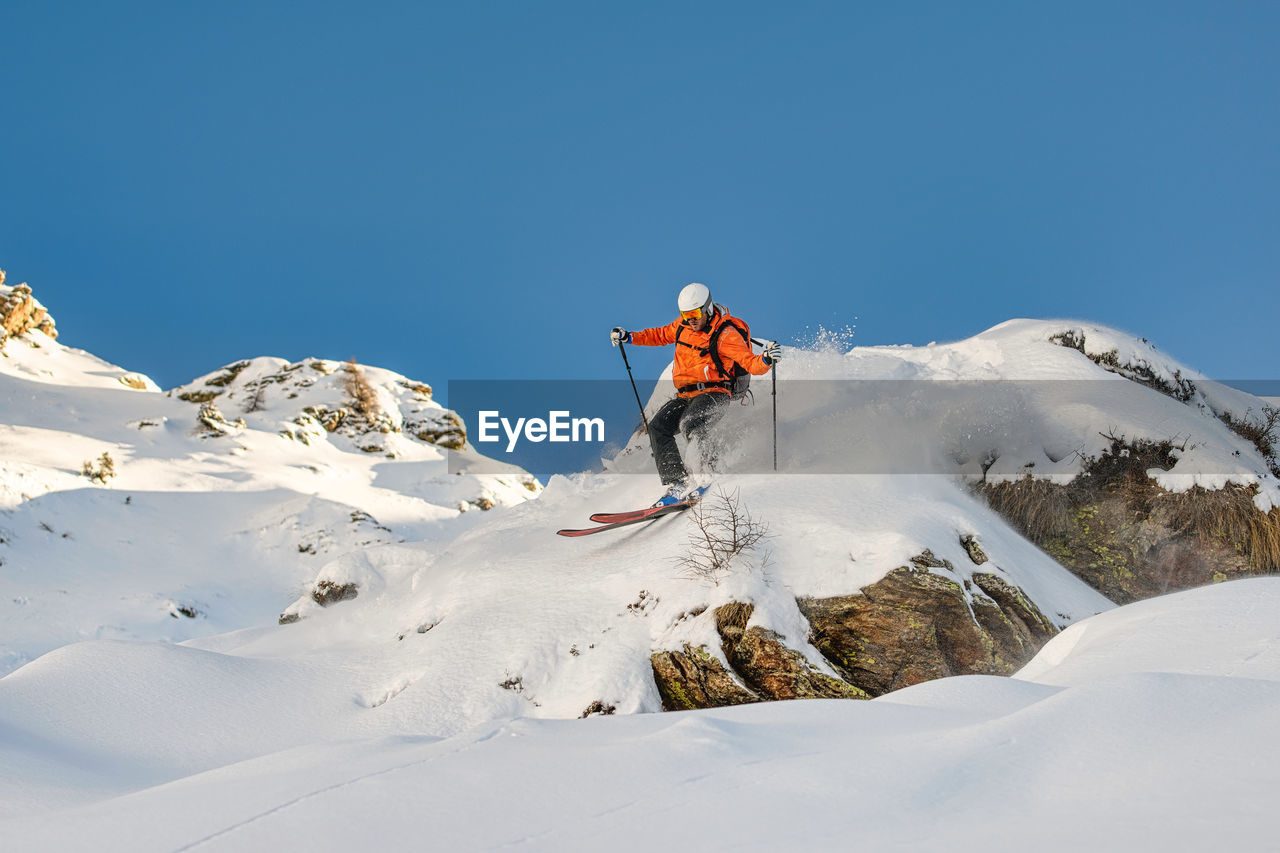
(129, 513)
(288, 601)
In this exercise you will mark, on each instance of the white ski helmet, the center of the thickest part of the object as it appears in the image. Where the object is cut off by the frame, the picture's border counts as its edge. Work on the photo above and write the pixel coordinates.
(694, 296)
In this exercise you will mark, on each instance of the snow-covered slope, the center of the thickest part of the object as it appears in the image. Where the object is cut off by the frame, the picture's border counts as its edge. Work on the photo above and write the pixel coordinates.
(467, 620)
(1151, 726)
(208, 524)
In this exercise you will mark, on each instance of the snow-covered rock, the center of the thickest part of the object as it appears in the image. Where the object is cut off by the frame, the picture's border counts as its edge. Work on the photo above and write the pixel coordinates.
(362, 408)
(20, 313)
(210, 518)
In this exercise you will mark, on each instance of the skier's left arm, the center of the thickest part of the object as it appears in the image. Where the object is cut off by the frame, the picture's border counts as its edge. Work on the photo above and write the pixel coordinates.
(734, 348)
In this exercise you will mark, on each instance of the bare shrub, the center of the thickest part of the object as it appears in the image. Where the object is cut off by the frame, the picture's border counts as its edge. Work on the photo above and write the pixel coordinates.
(363, 397)
(721, 530)
(101, 470)
(258, 401)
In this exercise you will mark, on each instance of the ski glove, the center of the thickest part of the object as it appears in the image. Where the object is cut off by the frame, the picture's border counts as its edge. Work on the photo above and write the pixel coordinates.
(620, 336)
(771, 353)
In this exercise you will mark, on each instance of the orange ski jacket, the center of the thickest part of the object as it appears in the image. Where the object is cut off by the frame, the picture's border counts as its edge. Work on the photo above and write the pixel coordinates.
(695, 371)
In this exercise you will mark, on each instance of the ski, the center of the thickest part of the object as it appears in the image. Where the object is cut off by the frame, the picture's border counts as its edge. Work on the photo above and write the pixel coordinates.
(648, 515)
(630, 515)
(613, 520)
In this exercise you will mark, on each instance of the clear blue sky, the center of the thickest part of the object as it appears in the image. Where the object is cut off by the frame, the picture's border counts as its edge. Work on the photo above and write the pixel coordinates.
(481, 190)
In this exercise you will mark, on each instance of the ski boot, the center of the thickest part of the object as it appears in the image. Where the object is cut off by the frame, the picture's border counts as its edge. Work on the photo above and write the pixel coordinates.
(674, 495)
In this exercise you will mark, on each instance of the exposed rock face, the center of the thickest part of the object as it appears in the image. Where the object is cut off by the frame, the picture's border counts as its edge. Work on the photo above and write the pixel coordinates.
(1129, 539)
(20, 312)
(974, 550)
(1017, 627)
(445, 430)
(914, 625)
(693, 678)
(770, 668)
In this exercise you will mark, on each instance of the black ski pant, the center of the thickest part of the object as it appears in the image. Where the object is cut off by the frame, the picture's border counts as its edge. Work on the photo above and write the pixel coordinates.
(694, 416)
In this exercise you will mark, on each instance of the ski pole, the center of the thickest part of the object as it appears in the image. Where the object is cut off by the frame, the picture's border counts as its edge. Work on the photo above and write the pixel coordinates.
(773, 379)
(622, 348)
(773, 372)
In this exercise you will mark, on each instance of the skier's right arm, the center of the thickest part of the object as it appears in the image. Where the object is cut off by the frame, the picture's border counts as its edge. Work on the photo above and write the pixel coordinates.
(658, 336)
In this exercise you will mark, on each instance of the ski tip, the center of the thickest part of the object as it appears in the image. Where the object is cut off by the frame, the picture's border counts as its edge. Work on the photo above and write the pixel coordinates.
(610, 517)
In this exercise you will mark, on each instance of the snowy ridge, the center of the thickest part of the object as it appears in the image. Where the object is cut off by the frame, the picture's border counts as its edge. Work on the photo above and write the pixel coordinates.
(207, 524)
(1016, 400)
(310, 402)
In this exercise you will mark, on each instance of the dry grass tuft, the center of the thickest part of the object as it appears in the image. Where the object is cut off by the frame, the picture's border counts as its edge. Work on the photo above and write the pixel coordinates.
(1043, 511)
(733, 616)
(1039, 508)
(1229, 513)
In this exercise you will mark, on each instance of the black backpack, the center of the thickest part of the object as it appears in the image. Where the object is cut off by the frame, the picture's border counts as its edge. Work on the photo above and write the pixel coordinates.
(738, 380)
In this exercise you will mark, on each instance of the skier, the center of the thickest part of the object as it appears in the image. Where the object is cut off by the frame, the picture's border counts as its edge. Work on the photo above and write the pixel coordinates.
(713, 349)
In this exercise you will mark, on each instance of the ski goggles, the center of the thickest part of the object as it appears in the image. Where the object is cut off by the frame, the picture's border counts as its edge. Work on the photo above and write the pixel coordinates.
(690, 315)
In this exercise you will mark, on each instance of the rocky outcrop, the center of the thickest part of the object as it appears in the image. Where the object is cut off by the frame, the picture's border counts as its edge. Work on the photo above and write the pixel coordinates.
(916, 624)
(1128, 538)
(328, 592)
(693, 678)
(311, 400)
(211, 423)
(444, 429)
(20, 312)
(324, 593)
(769, 667)
(1176, 385)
